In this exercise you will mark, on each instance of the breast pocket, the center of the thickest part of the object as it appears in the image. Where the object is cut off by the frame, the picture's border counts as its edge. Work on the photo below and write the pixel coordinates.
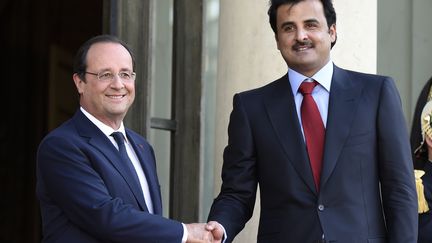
(377, 240)
(360, 139)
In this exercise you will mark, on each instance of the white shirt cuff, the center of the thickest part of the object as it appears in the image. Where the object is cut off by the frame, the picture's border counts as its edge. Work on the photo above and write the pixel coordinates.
(185, 234)
(225, 234)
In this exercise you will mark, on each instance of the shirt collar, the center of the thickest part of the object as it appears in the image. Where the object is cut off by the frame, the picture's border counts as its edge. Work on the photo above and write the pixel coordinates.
(323, 77)
(107, 130)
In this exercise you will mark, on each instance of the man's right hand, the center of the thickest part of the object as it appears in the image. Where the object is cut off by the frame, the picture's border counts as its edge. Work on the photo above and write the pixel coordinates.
(197, 233)
(217, 231)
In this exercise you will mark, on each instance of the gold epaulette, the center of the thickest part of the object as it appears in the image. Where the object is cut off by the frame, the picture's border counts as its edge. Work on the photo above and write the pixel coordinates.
(422, 203)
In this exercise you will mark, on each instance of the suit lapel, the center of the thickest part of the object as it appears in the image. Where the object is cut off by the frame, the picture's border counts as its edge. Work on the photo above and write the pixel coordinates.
(343, 102)
(280, 106)
(145, 158)
(99, 141)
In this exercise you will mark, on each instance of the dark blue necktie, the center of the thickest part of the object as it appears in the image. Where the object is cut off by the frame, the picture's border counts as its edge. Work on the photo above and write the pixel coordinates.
(119, 138)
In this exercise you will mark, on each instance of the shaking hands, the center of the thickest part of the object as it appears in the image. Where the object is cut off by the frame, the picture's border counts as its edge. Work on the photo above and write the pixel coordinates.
(212, 232)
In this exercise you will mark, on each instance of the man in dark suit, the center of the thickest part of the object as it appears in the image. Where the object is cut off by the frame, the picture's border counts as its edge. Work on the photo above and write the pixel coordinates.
(357, 185)
(96, 179)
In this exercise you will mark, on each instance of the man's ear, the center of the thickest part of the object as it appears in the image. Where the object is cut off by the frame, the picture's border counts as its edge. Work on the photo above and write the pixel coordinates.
(277, 41)
(333, 33)
(79, 83)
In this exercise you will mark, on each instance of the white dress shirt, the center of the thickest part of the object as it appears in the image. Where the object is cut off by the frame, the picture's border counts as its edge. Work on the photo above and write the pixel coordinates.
(320, 93)
(107, 130)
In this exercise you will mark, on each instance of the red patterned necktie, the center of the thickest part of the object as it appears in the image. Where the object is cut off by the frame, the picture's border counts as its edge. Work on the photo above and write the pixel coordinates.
(313, 129)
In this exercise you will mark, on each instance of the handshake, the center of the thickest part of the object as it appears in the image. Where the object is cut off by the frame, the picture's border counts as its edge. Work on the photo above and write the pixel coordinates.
(205, 232)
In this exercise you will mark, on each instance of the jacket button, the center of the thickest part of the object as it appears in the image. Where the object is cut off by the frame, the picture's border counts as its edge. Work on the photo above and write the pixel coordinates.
(321, 207)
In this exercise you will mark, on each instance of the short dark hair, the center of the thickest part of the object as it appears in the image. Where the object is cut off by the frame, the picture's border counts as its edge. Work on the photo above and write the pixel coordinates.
(329, 12)
(80, 63)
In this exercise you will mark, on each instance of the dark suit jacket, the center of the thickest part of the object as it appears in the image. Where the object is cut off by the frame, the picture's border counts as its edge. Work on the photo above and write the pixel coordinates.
(421, 162)
(425, 219)
(87, 194)
(367, 191)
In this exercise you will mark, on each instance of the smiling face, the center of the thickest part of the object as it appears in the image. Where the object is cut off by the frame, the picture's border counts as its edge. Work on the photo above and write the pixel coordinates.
(108, 101)
(303, 37)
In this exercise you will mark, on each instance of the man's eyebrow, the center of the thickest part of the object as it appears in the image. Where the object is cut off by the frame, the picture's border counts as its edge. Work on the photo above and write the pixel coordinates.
(104, 70)
(311, 21)
(286, 23)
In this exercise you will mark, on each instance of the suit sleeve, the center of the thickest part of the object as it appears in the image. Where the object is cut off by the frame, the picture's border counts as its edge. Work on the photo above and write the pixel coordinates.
(71, 186)
(234, 205)
(396, 168)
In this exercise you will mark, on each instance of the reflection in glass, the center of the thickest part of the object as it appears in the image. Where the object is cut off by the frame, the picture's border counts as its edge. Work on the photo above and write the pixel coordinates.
(210, 48)
(161, 91)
